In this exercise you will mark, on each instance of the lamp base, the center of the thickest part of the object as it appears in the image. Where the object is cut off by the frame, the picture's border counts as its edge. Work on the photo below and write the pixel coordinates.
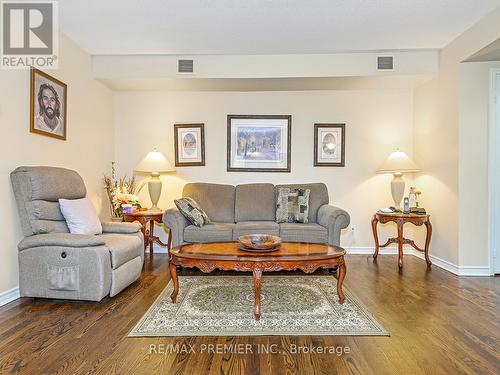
(397, 189)
(154, 188)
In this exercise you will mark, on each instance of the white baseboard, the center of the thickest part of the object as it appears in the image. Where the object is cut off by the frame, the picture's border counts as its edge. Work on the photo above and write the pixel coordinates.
(436, 261)
(159, 249)
(9, 296)
(370, 250)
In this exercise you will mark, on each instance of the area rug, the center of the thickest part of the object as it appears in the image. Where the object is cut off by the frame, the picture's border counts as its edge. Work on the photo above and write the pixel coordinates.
(223, 306)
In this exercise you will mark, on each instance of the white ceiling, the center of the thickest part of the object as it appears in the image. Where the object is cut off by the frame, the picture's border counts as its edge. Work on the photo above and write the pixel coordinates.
(265, 26)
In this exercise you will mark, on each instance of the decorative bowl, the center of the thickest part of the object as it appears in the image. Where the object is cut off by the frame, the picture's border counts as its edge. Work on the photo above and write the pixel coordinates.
(260, 241)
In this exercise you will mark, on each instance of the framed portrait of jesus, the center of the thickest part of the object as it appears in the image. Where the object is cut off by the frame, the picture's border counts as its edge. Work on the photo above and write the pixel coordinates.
(48, 103)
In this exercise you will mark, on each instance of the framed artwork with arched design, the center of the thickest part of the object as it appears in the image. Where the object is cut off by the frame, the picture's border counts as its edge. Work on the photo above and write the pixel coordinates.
(329, 145)
(189, 144)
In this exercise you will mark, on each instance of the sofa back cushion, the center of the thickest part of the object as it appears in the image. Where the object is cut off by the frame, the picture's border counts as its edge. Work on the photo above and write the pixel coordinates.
(317, 197)
(37, 191)
(215, 199)
(255, 202)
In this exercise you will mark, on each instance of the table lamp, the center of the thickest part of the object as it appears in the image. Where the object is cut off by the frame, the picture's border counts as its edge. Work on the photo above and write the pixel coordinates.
(154, 163)
(398, 163)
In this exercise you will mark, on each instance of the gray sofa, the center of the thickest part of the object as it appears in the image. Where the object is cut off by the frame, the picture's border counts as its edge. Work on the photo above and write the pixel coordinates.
(251, 208)
(56, 264)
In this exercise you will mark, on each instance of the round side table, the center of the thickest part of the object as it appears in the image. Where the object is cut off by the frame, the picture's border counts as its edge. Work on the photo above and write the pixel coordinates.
(401, 219)
(145, 217)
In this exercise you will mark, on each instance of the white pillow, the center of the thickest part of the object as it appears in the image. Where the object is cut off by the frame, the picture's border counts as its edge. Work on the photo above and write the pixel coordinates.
(81, 216)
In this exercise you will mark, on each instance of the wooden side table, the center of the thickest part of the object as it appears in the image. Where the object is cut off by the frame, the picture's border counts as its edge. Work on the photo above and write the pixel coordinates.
(400, 219)
(145, 217)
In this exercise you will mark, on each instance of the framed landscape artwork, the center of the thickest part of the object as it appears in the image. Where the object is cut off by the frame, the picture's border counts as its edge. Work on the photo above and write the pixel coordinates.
(48, 98)
(329, 145)
(258, 143)
(189, 143)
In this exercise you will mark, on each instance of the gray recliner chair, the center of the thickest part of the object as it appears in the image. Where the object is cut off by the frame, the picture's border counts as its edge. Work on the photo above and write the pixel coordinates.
(54, 263)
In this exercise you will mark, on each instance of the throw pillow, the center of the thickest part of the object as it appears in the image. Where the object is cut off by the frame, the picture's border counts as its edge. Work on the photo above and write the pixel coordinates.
(192, 211)
(81, 216)
(292, 205)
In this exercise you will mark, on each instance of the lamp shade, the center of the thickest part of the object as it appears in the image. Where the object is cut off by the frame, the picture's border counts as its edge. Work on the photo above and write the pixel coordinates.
(154, 162)
(398, 161)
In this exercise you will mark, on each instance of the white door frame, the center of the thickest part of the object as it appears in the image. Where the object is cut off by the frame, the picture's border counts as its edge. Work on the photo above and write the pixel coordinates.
(493, 165)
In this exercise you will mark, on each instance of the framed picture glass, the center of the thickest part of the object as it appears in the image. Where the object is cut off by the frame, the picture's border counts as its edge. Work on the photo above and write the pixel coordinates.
(329, 145)
(48, 98)
(189, 145)
(258, 143)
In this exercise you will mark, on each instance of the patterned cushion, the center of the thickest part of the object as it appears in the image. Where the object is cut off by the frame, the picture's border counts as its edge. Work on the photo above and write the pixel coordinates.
(292, 205)
(192, 211)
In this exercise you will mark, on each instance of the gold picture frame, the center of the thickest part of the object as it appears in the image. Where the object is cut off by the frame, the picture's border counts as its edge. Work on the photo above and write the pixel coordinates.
(48, 105)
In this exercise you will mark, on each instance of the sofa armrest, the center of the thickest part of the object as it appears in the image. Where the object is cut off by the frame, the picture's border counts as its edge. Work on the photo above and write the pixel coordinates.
(60, 239)
(334, 219)
(124, 228)
(176, 222)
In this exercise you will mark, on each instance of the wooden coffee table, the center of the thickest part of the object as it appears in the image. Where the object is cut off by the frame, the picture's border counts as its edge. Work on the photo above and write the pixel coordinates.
(226, 256)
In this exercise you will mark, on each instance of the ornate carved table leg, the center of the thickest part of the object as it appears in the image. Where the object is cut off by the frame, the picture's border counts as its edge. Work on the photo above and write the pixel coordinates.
(169, 244)
(400, 243)
(145, 233)
(427, 242)
(175, 280)
(257, 278)
(375, 235)
(151, 231)
(340, 282)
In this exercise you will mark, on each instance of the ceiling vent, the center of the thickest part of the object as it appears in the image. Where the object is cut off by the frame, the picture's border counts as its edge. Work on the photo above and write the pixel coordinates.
(184, 66)
(385, 62)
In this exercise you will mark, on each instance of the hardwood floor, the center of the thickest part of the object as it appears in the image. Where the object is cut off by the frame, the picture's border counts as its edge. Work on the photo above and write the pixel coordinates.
(439, 324)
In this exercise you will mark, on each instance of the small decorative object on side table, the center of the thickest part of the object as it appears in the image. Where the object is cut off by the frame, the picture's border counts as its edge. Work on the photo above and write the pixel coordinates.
(145, 217)
(400, 219)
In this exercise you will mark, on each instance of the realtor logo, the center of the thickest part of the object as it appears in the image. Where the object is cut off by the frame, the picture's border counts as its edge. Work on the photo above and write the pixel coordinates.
(29, 34)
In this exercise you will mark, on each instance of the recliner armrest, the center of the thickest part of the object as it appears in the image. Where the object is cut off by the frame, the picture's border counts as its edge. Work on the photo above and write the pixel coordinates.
(60, 239)
(124, 228)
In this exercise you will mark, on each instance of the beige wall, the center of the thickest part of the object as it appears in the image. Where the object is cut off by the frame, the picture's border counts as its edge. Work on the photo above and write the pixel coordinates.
(377, 121)
(89, 147)
(436, 152)
(437, 112)
(474, 116)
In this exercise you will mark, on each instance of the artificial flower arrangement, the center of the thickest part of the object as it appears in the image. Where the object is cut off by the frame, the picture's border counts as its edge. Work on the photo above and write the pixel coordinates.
(120, 192)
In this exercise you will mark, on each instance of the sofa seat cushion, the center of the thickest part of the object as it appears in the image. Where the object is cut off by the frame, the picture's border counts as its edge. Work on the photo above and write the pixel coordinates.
(213, 232)
(255, 227)
(122, 247)
(298, 232)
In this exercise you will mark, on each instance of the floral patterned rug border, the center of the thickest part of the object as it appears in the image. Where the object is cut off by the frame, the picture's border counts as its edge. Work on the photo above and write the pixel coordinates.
(223, 306)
